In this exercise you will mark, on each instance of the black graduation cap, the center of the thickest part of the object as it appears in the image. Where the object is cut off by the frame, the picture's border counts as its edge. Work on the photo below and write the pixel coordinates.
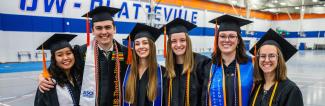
(102, 13)
(273, 38)
(230, 23)
(141, 30)
(178, 25)
(56, 42)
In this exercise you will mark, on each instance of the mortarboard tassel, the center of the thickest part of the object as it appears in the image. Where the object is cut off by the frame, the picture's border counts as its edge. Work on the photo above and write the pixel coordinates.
(165, 35)
(254, 57)
(87, 30)
(129, 60)
(45, 72)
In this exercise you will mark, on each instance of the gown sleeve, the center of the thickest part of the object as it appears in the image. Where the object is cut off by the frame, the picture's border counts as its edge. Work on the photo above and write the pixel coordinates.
(48, 98)
(39, 99)
(294, 97)
(203, 65)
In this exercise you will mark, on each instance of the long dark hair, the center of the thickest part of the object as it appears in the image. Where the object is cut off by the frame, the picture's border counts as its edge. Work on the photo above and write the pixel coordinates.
(58, 74)
(241, 55)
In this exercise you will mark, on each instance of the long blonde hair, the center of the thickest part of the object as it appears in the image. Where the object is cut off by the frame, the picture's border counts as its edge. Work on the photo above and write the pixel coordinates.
(130, 94)
(171, 60)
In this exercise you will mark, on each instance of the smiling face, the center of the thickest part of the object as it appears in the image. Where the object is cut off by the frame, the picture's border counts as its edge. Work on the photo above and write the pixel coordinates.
(104, 32)
(268, 58)
(64, 58)
(178, 43)
(142, 47)
(227, 41)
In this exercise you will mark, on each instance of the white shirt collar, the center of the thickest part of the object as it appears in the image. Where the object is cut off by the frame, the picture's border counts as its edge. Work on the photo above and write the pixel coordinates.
(110, 49)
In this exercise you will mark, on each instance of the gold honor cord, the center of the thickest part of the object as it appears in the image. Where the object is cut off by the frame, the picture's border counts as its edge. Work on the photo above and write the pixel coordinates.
(117, 99)
(254, 100)
(187, 95)
(223, 86)
(239, 85)
(170, 91)
(188, 88)
(272, 96)
(276, 85)
(116, 94)
(209, 84)
(238, 82)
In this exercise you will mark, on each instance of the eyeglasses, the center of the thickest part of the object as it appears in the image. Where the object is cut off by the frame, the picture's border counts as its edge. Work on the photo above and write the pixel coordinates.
(230, 37)
(271, 56)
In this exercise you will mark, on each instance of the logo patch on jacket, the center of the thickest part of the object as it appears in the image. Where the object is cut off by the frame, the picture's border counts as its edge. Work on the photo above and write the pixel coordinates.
(88, 94)
(120, 56)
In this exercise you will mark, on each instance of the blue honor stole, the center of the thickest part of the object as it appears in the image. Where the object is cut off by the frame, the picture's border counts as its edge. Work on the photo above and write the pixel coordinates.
(216, 84)
(158, 100)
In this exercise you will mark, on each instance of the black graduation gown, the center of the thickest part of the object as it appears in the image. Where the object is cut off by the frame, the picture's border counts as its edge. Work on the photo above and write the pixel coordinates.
(142, 85)
(231, 83)
(287, 94)
(198, 83)
(50, 98)
(106, 73)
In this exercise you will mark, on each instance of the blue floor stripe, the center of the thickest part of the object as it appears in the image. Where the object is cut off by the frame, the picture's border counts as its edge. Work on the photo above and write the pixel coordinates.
(37, 66)
(21, 67)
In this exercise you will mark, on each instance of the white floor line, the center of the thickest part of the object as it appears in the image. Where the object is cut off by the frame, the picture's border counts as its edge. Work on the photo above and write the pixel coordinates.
(2, 104)
(7, 98)
(14, 78)
(22, 97)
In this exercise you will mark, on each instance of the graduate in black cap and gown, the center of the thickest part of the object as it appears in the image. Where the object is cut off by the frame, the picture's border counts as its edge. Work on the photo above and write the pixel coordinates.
(185, 70)
(63, 70)
(272, 86)
(104, 61)
(143, 81)
(231, 75)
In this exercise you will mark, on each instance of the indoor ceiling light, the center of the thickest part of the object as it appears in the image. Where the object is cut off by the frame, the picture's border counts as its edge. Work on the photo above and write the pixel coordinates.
(318, 10)
(273, 10)
(297, 8)
(271, 5)
(234, 2)
(275, 1)
(254, 6)
(214, 0)
(282, 3)
(315, 0)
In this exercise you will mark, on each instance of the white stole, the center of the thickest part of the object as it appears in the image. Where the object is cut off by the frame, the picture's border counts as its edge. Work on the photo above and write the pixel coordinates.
(88, 88)
(64, 96)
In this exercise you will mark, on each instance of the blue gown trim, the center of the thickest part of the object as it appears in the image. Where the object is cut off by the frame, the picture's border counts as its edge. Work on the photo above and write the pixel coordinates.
(158, 100)
(216, 92)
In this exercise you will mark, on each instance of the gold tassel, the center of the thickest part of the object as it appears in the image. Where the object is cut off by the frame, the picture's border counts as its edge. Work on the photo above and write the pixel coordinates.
(45, 72)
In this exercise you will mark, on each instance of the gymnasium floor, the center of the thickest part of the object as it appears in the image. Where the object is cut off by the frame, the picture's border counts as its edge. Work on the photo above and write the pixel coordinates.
(18, 82)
